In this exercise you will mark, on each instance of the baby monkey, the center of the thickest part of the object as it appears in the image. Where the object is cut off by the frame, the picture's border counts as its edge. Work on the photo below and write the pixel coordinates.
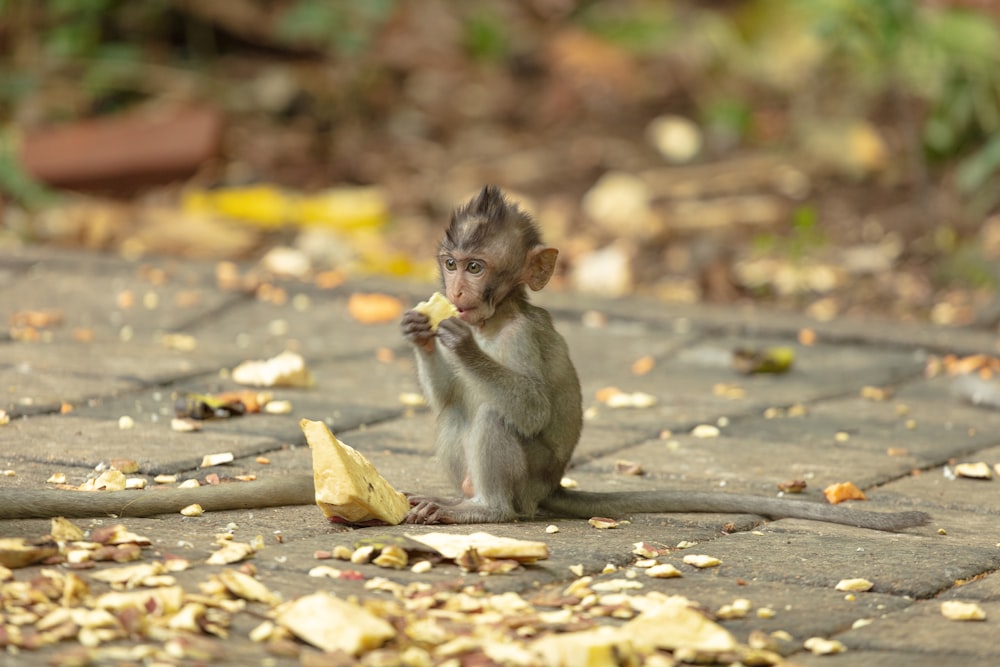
(507, 397)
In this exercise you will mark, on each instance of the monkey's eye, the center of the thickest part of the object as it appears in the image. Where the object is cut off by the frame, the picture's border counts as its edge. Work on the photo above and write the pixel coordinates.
(450, 264)
(474, 267)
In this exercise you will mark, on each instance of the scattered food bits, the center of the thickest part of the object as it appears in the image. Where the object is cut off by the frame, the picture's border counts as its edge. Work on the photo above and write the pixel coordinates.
(218, 459)
(374, 308)
(231, 552)
(647, 550)
(594, 319)
(278, 407)
(568, 483)
(854, 585)
(797, 410)
(551, 529)
(838, 493)
(421, 567)
(643, 365)
(126, 423)
(340, 552)
(165, 479)
(792, 486)
(322, 620)
(577, 570)
(705, 431)
(4, 418)
(739, 608)
(393, 557)
(630, 468)
(189, 484)
(179, 342)
(821, 646)
(978, 470)
(362, 555)
(807, 337)
(262, 460)
(876, 393)
(729, 390)
(841, 436)
(602, 523)
(766, 612)
(412, 399)
(701, 560)
(956, 610)
(83, 335)
(663, 571)
(897, 451)
(56, 478)
(193, 510)
(135, 483)
(288, 369)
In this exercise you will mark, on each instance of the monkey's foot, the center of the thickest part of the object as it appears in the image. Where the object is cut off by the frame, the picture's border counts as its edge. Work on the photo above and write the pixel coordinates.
(426, 511)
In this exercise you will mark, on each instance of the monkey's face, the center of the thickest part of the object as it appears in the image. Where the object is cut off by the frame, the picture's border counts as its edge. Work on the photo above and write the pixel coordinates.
(468, 285)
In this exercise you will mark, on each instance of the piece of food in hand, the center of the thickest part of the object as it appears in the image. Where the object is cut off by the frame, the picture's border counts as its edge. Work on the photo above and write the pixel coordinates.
(437, 309)
(348, 487)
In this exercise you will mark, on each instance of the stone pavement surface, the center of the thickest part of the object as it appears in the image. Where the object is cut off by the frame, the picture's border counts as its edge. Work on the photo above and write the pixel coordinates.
(898, 450)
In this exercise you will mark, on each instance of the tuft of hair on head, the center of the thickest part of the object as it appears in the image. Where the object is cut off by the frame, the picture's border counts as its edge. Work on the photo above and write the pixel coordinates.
(490, 215)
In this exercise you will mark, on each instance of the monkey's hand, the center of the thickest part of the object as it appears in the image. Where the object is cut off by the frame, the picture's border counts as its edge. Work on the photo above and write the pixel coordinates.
(456, 335)
(417, 330)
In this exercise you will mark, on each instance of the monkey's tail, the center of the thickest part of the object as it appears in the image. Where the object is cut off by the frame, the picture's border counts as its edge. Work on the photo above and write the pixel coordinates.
(47, 503)
(585, 504)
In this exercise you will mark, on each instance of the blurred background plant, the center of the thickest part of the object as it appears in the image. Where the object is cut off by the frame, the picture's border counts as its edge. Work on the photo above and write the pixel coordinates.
(854, 138)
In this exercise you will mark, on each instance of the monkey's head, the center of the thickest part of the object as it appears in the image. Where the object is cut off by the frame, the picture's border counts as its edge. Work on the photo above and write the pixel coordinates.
(491, 250)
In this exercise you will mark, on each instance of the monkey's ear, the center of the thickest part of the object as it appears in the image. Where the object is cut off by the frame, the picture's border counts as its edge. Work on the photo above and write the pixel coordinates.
(539, 267)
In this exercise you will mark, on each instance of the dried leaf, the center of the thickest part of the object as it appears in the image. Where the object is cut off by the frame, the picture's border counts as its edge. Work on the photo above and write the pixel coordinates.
(332, 624)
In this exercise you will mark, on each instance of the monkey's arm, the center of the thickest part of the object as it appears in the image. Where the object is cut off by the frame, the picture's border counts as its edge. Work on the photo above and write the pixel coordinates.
(583, 504)
(519, 396)
(294, 489)
(436, 377)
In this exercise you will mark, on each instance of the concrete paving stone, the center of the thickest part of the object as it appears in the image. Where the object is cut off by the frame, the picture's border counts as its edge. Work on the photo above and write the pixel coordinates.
(331, 401)
(323, 329)
(91, 301)
(141, 362)
(922, 626)
(750, 464)
(918, 563)
(761, 320)
(873, 427)
(801, 611)
(960, 493)
(25, 390)
(685, 383)
(985, 588)
(900, 658)
(76, 441)
(33, 475)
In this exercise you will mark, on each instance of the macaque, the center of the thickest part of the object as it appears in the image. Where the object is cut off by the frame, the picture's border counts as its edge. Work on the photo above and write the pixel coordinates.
(507, 397)
(508, 407)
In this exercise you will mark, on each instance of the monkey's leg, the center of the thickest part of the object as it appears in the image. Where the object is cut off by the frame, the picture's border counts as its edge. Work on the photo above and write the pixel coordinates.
(497, 467)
